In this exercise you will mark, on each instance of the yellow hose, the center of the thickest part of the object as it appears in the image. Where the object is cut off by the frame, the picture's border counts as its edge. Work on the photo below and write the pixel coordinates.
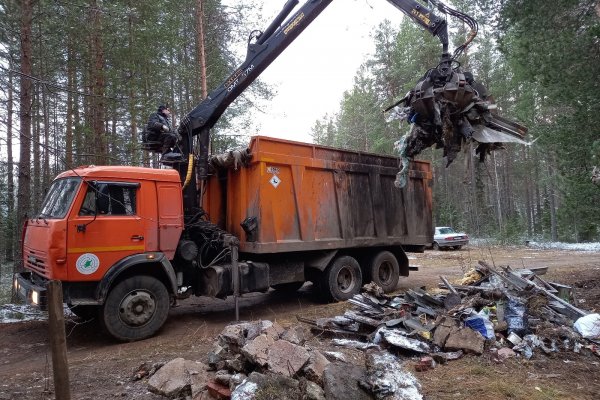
(188, 177)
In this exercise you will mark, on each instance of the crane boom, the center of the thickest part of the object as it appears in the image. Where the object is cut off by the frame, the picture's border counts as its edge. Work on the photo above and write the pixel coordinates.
(263, 49)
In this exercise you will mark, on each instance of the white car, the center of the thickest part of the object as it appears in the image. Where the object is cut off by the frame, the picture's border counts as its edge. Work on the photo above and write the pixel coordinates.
(446, 237)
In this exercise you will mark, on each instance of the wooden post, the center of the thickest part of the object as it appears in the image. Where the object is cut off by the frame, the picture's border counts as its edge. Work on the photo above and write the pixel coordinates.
(58, 341)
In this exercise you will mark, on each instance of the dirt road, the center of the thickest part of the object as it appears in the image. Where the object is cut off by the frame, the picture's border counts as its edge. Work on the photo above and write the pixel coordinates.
(101, 368)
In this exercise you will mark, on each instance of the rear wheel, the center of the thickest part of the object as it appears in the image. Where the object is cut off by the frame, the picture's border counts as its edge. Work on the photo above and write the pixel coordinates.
(384, 270)
(135, 308)
(341, 280)
(436, 246)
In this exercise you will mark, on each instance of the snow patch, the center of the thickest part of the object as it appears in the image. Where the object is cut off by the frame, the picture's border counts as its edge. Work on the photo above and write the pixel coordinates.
(566, 246)
(11, 313)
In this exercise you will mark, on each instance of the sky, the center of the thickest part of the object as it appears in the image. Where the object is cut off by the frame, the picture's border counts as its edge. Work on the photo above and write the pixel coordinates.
(311, 75)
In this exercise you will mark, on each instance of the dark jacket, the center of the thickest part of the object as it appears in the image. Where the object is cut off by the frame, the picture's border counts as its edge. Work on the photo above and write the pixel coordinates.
(155, 124)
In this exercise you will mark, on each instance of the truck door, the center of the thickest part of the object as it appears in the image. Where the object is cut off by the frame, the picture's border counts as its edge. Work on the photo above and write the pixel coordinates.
(104, 227)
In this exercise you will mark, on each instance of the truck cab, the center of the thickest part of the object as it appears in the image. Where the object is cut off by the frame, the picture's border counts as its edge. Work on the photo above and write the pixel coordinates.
(99, 227)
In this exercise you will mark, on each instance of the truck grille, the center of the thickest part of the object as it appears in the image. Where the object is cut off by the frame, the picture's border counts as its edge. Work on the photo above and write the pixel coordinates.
(36, 261)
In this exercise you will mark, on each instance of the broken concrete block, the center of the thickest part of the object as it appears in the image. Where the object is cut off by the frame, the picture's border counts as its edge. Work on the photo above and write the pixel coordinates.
(272, 329)
(232, 337)
(312, 391)
(443, 330)
(388, 379)
(295, 334)
(286, 358)
(235, 364)
(260, 386)
(465, 339)
(256, 350)
(178, 377)
(341, 382)
(315, 367)
(223, 377)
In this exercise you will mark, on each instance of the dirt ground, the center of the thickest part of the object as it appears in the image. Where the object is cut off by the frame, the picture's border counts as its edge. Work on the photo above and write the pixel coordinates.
(101, 368)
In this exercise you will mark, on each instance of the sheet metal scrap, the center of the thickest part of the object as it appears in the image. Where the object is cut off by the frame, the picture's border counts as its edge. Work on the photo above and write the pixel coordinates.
(449, 109)
(413, 322)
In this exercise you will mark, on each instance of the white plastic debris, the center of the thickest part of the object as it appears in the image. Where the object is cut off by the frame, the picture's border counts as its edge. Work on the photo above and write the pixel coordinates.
(588, 326)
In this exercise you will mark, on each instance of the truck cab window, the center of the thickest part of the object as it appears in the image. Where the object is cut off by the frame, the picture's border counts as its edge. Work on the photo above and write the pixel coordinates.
(109, 199)
(59, 198)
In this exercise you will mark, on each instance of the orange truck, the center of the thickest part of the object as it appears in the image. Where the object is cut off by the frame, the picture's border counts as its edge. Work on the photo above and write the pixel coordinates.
(118, 239)
(128, 242)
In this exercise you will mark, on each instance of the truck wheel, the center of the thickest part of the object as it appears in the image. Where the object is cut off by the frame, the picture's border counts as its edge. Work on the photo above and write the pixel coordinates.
(341, 280)
(135, 308)
(85, 312)
(384, 270)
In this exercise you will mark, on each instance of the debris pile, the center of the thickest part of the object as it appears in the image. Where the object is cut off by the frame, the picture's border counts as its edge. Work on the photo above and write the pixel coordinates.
(504, 311)
(259, 360)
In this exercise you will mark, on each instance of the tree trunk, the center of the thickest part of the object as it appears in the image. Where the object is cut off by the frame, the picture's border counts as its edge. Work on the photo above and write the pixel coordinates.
(37, 181)
(98, 85)
(24, 183)
(134, 140)
(201, 47)
(10, 201)
(69, 122)
(552, 202)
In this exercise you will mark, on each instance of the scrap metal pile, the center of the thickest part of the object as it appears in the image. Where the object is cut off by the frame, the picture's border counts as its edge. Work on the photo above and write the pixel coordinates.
(508, 312)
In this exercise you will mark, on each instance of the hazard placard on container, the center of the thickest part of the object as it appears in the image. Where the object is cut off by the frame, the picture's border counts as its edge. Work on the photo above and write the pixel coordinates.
(275, 181)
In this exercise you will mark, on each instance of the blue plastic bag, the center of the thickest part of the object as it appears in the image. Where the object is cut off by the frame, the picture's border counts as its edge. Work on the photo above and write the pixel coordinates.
(481, 324)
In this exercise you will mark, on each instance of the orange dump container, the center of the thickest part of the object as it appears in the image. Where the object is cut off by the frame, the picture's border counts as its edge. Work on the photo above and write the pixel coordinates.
(301, 197)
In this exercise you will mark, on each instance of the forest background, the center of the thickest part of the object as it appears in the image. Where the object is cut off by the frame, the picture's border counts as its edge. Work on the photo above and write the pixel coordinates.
(78, 79)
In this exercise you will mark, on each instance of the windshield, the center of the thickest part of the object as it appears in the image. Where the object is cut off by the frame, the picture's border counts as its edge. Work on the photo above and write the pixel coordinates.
(59, 198)
(444, 231)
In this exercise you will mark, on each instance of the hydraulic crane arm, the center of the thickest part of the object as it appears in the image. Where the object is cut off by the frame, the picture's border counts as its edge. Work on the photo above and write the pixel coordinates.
(263, 48)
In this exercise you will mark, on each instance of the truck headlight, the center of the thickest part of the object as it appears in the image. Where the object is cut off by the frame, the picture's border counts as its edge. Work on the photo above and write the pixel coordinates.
(35, 297)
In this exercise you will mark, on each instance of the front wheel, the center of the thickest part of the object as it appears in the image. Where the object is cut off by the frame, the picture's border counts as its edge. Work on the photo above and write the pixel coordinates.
(135, 308)
(341, 280)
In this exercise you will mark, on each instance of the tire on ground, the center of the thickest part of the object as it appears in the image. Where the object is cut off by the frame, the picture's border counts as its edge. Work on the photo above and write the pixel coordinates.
(436, 246)
(136, 308)
(341, 280)
(383, 269)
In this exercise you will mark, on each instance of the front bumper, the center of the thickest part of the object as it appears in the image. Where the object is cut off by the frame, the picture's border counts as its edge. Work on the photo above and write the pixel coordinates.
(452, 243)
(30, 292)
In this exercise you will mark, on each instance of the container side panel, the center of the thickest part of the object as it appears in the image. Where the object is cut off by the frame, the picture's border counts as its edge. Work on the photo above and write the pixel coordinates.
(319, 186)
(361, 218)
(279, 214)
(395, 210)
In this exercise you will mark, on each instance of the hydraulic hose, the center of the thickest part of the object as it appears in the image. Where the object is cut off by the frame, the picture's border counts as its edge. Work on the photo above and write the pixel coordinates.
(190, 169)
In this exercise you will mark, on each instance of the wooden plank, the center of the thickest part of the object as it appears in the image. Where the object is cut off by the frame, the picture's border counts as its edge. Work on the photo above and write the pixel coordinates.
(58, 341)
